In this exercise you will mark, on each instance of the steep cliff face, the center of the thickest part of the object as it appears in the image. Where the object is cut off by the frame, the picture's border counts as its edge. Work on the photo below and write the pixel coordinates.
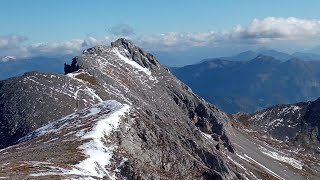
(312, 123)
(146, 125)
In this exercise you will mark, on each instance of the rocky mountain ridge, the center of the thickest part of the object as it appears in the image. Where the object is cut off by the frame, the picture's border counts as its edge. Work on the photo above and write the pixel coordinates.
(165, 131)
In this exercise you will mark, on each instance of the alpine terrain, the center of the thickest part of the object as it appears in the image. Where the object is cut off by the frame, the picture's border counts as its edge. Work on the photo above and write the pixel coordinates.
(255, 84)
(117, 113)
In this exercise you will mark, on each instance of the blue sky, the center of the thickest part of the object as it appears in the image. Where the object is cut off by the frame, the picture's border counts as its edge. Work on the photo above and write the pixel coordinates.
(45, 20)
(38, 27)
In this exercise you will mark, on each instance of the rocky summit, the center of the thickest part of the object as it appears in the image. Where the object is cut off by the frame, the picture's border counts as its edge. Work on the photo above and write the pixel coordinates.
(117, 113)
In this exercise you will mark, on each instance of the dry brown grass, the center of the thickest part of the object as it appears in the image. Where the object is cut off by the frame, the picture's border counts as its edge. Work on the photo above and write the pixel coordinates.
(87, 77)
(264, 175)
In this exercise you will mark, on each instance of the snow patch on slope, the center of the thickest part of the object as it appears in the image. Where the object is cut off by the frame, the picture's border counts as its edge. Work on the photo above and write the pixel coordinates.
(249, 173)
(293, 162)
(91, 127)
(290, 109)
(276, 122)
(53, 127)
(97, 153)
(251, 160)
(130, 62)
(93, 111)
(258, 117)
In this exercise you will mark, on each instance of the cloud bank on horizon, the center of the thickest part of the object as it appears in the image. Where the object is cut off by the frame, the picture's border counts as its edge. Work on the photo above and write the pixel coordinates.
(270, 31)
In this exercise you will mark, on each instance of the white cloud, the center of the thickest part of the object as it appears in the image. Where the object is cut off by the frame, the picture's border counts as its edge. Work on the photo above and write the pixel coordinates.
(179, 40)
(15, 46)
(270, 30)
(11, 41)
(12, 45)
(262, 31)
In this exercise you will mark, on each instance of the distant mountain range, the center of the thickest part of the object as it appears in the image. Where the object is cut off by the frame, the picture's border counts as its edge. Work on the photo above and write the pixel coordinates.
(10, 66)
(192, 56)
(249, 55)
(246, 85)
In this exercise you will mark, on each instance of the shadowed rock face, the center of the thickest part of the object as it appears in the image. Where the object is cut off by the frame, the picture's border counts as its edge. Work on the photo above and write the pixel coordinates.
(168, 132)
(71, 68)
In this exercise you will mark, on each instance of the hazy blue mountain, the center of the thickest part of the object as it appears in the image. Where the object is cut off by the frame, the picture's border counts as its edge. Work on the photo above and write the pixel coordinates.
(307, 56)
(314, 50)
(249, 55)
(183, 57)
(16, 67)
(251, 85)
(282, 56)
(193, 55)
(244, 56)
(276, 54)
